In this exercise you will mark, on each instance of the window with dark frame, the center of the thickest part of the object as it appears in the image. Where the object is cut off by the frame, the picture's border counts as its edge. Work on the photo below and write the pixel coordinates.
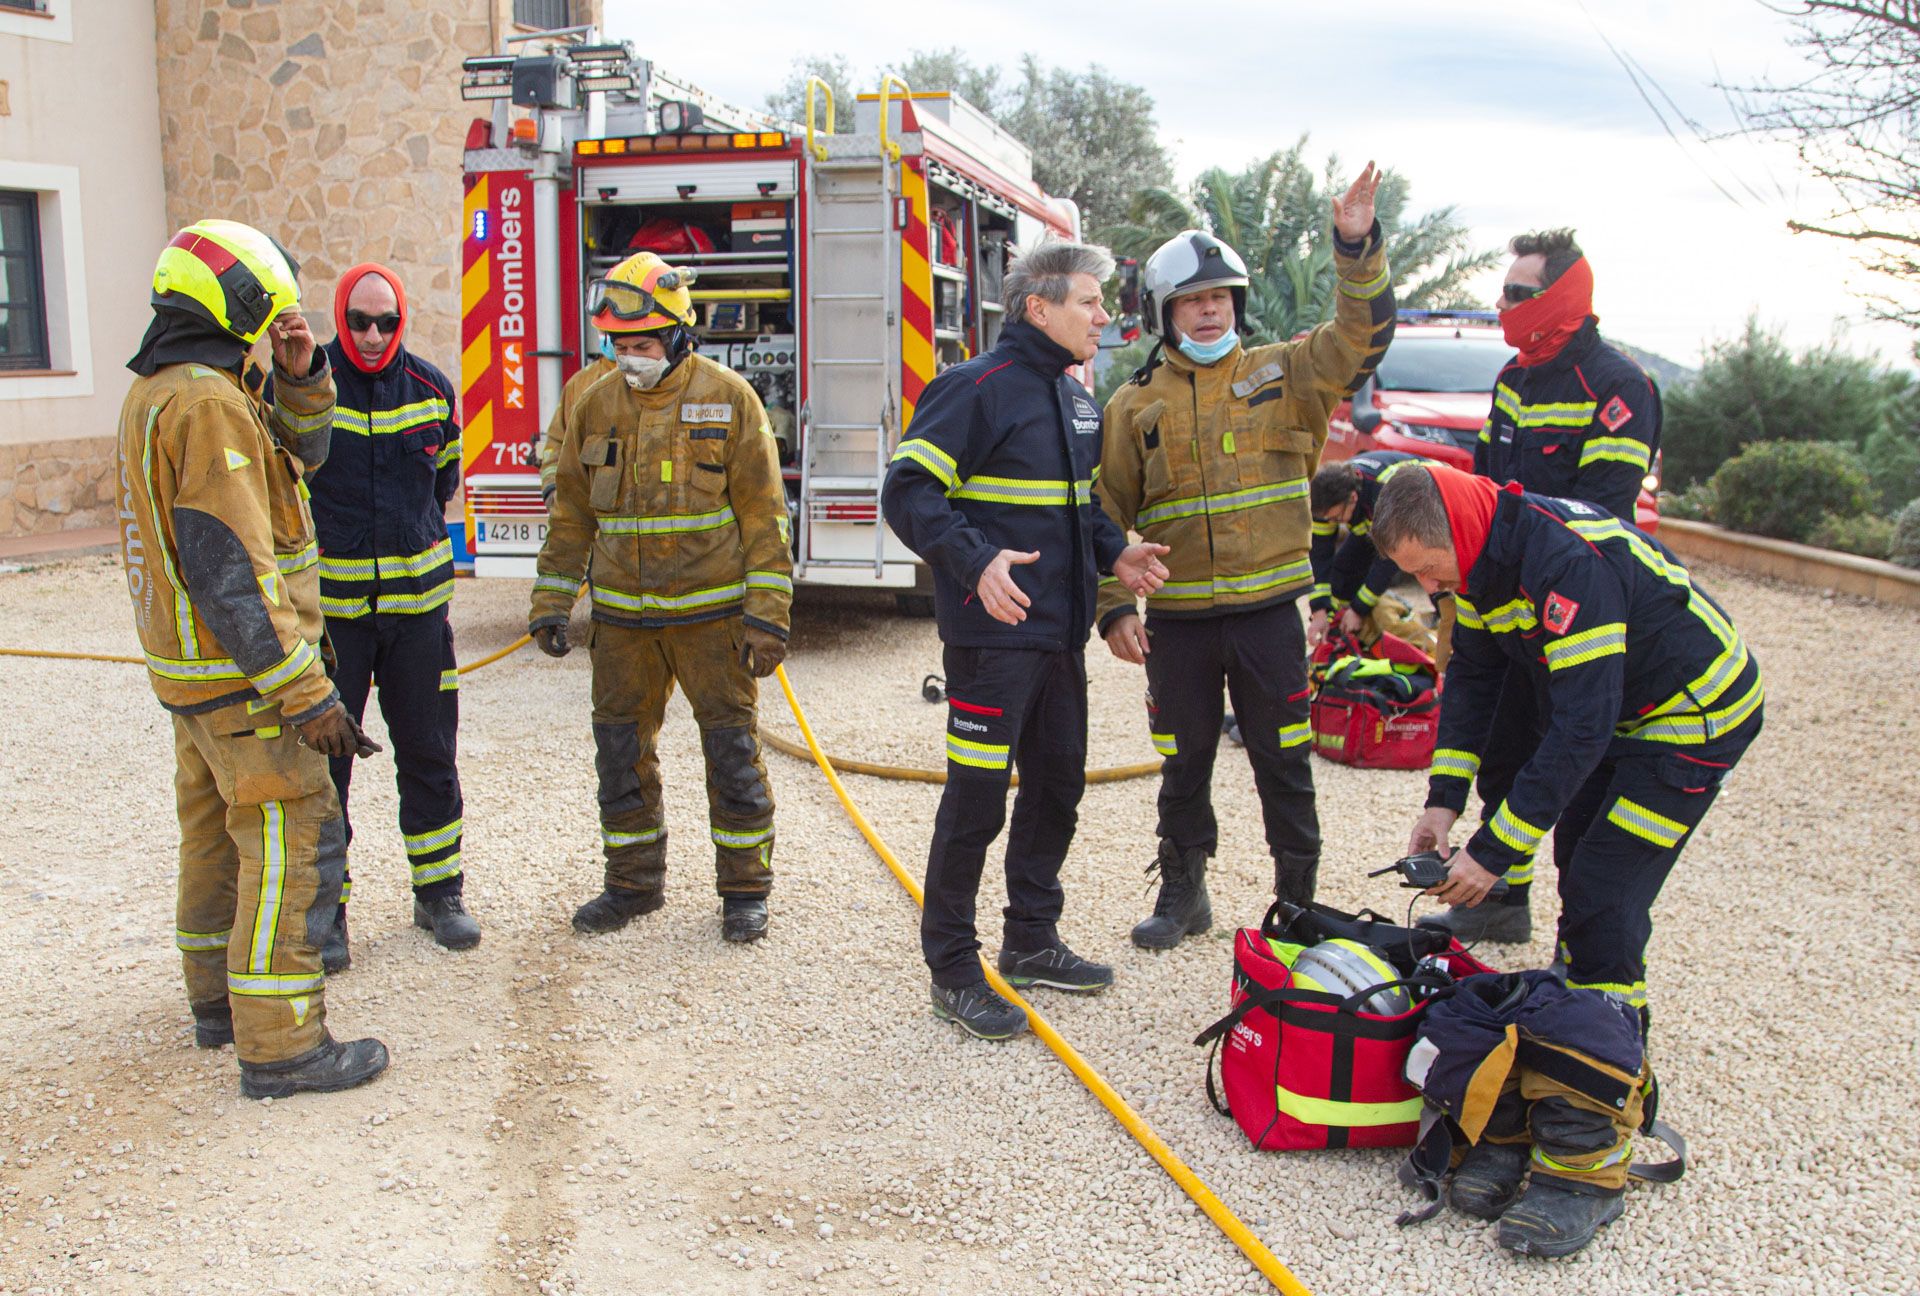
(31, 6)
(23, 298)
(542, 15)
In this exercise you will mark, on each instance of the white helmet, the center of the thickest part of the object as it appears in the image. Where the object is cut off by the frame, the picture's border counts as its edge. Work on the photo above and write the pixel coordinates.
(1346, 967)
(1186, 263)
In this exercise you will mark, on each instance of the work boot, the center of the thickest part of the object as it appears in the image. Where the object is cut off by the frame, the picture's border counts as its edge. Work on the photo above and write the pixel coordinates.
(1183, 907)
(1556, 1218)
(213, 1023)
(1056, 967)
(334, 954)
(330, 1067)
(1488, 1179)
(447, 918)
(743, 918)
(1503, 924)
(980, 1012)
(614, 908)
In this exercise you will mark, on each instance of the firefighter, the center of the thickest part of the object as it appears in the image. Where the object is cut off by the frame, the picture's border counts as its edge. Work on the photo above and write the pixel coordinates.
(221, 565)
(386, 576)
(994, 489)
(1573, 418)
(1348, 576)
(668, 488)
(1210, 447)
(1651, 700)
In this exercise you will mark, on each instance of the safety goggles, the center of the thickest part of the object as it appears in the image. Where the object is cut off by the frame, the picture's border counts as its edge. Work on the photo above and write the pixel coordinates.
(360, 322)
(625, 301)
(1516, 293)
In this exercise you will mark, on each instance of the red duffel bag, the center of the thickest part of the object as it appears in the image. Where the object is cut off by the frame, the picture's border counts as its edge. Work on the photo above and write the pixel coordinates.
(1305, 1068)
(1376, 707)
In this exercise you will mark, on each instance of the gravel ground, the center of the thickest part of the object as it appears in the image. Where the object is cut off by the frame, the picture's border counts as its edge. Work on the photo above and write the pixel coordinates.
(657, 1111)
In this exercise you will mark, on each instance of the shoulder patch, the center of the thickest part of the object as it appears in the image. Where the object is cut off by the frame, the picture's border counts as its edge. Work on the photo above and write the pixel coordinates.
(708, 412)
(1615, 414)
(1559, 613)
(235, 460)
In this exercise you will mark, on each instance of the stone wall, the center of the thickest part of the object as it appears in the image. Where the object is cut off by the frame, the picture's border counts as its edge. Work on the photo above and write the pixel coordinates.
(56, 485)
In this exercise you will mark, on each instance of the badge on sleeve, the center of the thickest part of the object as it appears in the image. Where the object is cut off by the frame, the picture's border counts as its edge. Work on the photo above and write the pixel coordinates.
(1560, 612)
(1615, 414)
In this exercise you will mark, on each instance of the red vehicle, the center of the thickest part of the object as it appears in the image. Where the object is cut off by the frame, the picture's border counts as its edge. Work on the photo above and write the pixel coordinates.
(1433, 392)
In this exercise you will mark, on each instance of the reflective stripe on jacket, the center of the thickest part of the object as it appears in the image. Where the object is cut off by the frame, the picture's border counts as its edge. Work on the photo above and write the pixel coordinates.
(217, 539)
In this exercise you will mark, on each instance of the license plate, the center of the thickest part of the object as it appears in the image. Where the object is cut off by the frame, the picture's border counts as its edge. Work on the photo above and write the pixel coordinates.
(509, 532)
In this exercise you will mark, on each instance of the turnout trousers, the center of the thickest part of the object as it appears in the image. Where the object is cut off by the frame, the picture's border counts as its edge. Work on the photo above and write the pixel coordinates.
(1262, 658)
(263, 849)
(408, 658)
(634, 672)
(1027, 708)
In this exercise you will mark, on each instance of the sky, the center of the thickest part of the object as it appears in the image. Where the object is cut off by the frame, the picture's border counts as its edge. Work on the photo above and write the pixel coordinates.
(1513, 112)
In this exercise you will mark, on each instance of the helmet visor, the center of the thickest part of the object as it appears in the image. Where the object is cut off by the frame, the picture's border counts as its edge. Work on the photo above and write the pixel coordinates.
(623, 301)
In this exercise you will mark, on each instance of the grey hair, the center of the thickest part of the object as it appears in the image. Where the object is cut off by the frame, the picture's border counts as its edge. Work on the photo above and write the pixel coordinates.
(1410, 509)
(1047, 272)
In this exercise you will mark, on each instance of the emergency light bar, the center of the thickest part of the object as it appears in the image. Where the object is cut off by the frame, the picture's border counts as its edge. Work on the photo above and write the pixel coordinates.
(603, 67)
(694, 143)
(487, 76)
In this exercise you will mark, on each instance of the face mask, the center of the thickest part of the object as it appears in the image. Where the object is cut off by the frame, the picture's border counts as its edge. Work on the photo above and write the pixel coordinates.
(1208, 352)
(606, 349)
(640, 372)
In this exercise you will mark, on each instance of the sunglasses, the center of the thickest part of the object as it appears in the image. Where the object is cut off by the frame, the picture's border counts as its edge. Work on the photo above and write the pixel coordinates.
(360, 322)
(1517, 293)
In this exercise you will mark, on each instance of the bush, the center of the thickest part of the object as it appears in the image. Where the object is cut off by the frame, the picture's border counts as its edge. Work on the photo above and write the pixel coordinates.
(1904, 548)
(1867, 535)
(1785, 489)
(1893, 463)
(1694, 504)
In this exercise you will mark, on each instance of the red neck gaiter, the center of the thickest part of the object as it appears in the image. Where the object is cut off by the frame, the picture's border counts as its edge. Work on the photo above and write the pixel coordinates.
(1469, 502)
(340, 295)
(1539, 327)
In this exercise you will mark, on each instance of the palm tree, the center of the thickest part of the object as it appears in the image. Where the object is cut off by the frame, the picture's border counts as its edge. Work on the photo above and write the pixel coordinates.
(1276, 213)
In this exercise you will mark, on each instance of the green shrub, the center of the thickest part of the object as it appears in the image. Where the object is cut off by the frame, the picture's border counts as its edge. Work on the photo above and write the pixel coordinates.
(1904, 548)
(1694, 504)
(1784, 489)
(1867, 535)
(1893, 463)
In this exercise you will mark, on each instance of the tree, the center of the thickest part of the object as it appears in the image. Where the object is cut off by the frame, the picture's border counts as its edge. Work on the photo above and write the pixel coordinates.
(952, 71)
(1277, 214)
(1754, 389)
(790, 100)
(1855, 122)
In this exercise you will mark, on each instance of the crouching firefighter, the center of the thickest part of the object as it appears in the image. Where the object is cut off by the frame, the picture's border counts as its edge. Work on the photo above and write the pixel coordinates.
(1523, 1074)
(668, 482)
(221, 565)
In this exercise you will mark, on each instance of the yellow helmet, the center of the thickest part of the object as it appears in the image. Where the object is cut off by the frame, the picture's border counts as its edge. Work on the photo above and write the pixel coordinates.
(230, 275)
(641, 294)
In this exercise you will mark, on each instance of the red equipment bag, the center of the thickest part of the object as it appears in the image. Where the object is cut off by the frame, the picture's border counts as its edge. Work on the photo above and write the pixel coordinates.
(1376, 707)
(1308, 1069)
(669, 237)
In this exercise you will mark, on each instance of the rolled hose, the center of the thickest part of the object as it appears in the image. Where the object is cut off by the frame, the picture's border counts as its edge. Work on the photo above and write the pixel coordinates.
(1228, 1223)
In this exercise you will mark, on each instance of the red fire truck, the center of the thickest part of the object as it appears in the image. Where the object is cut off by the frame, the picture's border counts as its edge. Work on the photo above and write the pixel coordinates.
(836, 272)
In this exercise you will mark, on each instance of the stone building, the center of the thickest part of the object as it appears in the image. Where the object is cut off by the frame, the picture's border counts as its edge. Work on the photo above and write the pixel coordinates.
(335, 124)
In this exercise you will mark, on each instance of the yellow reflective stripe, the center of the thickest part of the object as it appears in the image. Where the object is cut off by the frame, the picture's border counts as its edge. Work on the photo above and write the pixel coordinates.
(1165, 744)
(190, 941)
(438, 871)
(1567, 414)
(1613, 1158)
(766, 580)
(1520, 874)
(434, 838)
(274, 986)
(419, 564)
(1644, 823)
(349, 569)
(992, 756)
(300, 424)
(1506, 400)
(1486, 432)
(932, 458)
(1621, 449)
(423, 601)
(1466, 614)
(1515, 831)
(1514, 614)
(344, 608)
(1309, 1110)
(1698, 728)
(1013, 490)
(1451, 762)
(1634, 992)
(1294, 735)
(182, 606)
(1589, 645)
(1325, 528)
(612, 840)
(1320, 590)
(205, 668)
(299, 560)
(1366, 290)
(568, 585)
(1225, 502)
(399, 419)
(273, 881)
(1251, 583)
(289, 669)
(1362, 528)
(643, 602)
(719, 517)
(449, 454)
(449, 681)
(739, 840)
(1365, 598)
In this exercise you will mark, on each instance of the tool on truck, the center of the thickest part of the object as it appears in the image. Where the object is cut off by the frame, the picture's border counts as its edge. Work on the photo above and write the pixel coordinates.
(836, 272)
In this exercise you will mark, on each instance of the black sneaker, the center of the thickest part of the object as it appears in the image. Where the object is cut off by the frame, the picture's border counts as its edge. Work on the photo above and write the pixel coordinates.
(979, 1011)
(1056, 967)
(743, 918)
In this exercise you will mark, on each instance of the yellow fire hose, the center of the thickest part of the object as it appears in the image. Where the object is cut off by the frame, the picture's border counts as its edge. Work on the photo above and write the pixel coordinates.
(1239, 1234)
(914, 774)
(488, 660)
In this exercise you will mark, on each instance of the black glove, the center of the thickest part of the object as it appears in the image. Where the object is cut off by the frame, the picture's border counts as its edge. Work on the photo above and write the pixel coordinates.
(552, 640)
(762, 651)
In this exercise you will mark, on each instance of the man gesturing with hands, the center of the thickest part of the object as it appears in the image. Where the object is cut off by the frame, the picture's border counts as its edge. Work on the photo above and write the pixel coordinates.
(994, 489)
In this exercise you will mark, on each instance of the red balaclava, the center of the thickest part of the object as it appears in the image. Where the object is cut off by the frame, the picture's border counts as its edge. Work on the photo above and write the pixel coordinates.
(1538, 327)
(1469, 502)
(345, 290)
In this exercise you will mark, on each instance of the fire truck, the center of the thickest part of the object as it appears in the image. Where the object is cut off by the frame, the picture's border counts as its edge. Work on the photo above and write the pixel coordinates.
(836, 272)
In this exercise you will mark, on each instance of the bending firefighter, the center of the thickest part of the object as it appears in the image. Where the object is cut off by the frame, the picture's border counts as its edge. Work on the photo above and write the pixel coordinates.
(386, 577)
(1349, 575)
(1651, 700)
(668, 490)
(221, 563)
(1208, 451)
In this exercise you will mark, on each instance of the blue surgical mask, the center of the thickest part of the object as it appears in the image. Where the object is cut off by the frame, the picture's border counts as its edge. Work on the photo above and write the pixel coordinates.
(606, 347)
(1207, 352)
